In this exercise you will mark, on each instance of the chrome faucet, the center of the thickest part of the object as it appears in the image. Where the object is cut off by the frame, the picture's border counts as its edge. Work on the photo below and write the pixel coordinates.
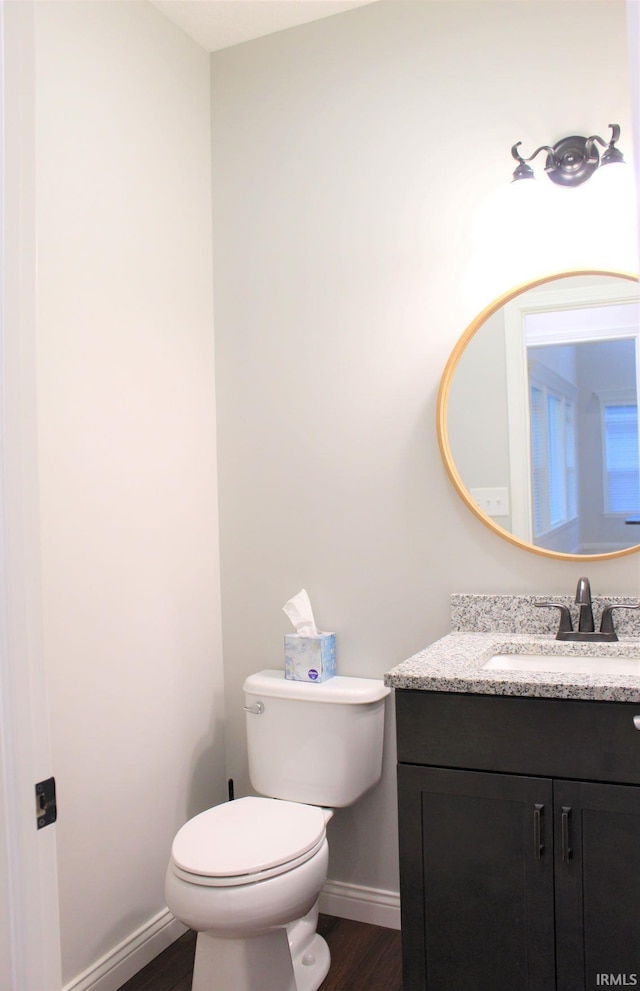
(583, 599)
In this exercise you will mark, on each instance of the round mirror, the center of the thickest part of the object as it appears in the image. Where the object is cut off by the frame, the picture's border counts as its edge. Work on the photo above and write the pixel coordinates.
(538, 415)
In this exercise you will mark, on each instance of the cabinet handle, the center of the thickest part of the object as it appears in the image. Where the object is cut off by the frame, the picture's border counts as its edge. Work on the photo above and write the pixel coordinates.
(538, 842)
(567, 851)
(636, 722)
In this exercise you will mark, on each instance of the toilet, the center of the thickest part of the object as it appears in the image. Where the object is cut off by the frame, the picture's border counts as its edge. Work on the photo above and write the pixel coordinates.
(246, 875)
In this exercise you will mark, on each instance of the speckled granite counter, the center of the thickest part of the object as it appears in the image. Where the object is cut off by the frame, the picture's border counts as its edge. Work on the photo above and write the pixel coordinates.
(487, 625)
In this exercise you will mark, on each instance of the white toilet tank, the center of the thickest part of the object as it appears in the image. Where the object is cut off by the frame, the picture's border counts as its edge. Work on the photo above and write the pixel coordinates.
(319, 744)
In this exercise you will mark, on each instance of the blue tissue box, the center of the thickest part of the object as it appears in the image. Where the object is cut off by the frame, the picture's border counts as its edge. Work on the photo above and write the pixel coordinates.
(309, 658)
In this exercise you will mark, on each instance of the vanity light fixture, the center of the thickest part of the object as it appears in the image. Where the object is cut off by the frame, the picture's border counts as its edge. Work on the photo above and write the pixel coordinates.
(573, 160)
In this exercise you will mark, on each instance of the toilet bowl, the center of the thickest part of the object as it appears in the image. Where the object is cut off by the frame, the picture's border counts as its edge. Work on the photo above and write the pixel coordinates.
(246, 875)
(240, 874)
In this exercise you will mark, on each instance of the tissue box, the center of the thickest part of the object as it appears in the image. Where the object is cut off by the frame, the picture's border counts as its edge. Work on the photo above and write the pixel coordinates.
(309, 658)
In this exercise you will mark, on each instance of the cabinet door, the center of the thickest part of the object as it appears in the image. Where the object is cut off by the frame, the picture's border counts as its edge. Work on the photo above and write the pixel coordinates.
(476, 881)
(597, 834)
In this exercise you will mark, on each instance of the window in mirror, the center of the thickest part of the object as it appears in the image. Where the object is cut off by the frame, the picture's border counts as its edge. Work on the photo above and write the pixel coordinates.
(620, 436)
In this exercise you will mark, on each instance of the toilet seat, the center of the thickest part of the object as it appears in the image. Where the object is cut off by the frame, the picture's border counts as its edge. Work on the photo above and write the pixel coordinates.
(236, 880)
(246, 841)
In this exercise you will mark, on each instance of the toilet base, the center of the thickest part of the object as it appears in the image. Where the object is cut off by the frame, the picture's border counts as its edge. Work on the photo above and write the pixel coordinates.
(291, 959)
(312, 967)
(256, 963)
(309, 952)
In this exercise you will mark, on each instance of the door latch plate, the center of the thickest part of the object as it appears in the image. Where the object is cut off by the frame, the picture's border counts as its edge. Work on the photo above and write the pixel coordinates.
(46, 809)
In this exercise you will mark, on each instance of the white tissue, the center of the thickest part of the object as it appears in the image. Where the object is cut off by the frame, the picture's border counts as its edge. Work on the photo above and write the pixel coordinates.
(299, 611)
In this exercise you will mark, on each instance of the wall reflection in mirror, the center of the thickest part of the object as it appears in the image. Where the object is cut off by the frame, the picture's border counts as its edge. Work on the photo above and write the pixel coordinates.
(538, 415)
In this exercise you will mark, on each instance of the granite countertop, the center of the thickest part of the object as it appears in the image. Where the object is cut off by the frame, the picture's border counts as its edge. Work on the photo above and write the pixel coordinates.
(483, 626)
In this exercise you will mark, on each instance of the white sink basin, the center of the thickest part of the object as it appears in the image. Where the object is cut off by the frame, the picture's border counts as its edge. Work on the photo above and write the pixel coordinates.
(583, 664)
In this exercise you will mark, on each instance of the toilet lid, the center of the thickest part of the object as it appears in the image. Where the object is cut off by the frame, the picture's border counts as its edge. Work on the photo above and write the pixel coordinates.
(247, 836)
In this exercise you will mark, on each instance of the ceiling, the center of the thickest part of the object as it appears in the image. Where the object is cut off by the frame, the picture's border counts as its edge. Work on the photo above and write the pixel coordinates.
(216, 24)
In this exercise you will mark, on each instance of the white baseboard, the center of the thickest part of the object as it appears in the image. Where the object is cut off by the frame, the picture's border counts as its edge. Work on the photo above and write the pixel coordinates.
(116, 967)
(353, 901)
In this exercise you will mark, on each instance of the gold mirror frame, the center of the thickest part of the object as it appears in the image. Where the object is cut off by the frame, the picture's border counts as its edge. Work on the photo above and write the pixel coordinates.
(442, 409)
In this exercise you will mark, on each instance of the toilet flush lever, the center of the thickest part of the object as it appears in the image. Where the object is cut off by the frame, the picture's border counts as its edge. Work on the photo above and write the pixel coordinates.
(257, 708)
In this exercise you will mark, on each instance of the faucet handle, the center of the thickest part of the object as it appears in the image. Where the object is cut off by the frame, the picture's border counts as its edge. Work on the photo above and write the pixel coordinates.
(606, 623)
(566, 626)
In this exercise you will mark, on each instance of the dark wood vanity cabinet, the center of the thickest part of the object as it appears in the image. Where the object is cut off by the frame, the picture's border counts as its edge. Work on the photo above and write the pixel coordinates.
(519, 843)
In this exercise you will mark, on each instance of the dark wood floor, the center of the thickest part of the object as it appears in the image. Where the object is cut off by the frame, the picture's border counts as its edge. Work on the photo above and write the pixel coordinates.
(363, 958)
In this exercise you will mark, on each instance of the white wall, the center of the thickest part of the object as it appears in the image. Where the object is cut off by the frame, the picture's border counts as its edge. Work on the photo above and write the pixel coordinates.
(362, 217)
(126, 417)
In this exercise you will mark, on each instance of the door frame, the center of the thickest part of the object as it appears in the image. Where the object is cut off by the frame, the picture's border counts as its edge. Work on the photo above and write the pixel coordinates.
(28, 878)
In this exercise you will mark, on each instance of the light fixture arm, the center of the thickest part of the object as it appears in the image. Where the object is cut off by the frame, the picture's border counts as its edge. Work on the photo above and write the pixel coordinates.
(612, 154)
(615, 134)
(523, 170)
(519, 157)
